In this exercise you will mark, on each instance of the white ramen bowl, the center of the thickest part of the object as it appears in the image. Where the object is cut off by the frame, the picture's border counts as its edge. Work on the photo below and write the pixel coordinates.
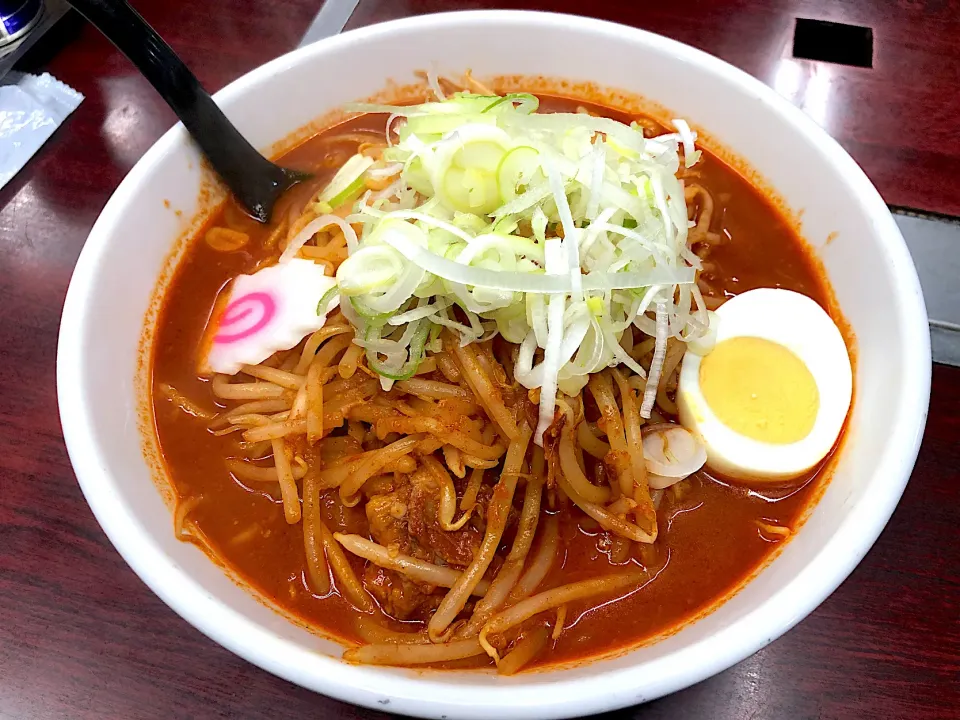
(867, 262)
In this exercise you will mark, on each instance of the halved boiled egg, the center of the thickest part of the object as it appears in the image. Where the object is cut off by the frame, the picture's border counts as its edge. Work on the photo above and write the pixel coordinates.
(769, 400)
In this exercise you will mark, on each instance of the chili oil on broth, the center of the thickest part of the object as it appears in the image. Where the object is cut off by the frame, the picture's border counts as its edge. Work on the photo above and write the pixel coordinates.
(709, 540)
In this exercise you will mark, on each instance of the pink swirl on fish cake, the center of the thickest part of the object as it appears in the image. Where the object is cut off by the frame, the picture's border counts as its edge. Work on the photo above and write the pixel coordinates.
(260, 305)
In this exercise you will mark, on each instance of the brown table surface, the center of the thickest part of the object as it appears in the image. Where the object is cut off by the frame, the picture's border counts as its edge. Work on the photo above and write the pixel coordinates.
(82, 637)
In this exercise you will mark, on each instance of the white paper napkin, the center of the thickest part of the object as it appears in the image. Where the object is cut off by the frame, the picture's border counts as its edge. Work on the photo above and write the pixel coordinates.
(31, 108)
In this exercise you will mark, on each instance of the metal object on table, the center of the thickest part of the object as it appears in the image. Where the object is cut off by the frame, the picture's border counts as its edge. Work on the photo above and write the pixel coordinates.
(933, 241)
(14, 48)
(329, 21)
(17, 18)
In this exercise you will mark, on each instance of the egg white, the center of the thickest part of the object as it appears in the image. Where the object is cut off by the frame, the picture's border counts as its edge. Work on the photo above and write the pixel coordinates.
(798, 323)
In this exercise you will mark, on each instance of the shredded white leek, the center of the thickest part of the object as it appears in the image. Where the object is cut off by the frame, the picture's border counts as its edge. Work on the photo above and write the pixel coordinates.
(557, 231)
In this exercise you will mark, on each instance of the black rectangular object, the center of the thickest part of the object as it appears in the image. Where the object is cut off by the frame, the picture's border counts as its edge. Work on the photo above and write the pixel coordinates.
(833, 42)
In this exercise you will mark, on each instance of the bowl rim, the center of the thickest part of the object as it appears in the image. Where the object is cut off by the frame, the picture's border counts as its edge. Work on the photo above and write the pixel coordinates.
(425, 694)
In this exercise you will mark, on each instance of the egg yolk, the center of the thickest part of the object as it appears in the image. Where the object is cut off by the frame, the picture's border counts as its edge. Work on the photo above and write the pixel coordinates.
(760, 389)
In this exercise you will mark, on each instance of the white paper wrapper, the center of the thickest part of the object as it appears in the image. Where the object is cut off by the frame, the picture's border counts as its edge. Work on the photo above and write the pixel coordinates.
(31, 108)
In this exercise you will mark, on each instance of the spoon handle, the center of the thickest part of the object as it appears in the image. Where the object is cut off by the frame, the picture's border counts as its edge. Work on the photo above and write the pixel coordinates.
(253, 179)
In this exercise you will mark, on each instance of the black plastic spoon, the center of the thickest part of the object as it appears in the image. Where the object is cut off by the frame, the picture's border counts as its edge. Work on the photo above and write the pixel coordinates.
(255, 181)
